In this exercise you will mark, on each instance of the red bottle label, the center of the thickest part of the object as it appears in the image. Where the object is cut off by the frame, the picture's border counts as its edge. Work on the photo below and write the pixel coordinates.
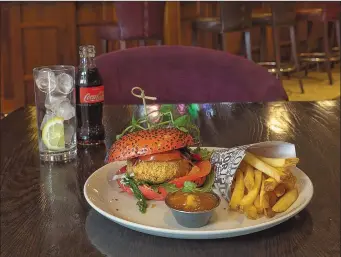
(91, 95)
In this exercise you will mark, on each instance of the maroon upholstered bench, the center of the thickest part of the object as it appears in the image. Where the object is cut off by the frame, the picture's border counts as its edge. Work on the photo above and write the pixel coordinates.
(185, 74)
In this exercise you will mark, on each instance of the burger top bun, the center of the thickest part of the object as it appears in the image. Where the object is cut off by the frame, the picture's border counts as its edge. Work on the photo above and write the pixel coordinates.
(146, 142)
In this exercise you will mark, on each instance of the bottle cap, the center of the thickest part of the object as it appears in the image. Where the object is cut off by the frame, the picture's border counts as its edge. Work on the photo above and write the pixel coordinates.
(83, 53)
(91, 51)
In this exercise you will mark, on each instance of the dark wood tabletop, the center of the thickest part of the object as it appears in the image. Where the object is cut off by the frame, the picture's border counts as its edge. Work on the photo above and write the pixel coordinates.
(44, 212)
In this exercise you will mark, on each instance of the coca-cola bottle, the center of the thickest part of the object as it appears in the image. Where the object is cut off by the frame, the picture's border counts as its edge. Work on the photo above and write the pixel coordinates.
(89, 98)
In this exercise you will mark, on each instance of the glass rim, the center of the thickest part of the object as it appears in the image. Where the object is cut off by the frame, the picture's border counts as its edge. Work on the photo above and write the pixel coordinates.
(54, 68)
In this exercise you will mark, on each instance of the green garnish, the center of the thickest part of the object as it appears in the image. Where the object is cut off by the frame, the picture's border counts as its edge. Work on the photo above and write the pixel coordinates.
(183, 123)
(207, 186)
(204, 153)
(141, 200)
(170, 188)
(166, 118)
(191, 187)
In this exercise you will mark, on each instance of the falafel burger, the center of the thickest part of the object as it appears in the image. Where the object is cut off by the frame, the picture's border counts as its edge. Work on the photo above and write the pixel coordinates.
(160, 161)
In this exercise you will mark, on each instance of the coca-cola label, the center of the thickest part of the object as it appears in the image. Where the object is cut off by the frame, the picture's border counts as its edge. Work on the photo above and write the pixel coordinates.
(91, 95)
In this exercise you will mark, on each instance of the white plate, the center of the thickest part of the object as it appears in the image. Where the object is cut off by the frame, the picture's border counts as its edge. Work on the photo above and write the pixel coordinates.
(107, 199)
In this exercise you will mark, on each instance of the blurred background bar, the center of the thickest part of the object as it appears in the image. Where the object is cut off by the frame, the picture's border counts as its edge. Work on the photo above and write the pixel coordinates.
(46, 33)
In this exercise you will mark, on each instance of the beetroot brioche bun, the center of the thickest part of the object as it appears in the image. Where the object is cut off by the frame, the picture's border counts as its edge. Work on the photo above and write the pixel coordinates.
(147, 142)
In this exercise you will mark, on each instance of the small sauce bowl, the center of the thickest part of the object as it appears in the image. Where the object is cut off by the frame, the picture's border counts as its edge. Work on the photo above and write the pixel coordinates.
(192, 219)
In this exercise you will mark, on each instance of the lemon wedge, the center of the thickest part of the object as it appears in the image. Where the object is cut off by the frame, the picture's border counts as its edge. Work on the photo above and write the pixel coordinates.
(53, 134)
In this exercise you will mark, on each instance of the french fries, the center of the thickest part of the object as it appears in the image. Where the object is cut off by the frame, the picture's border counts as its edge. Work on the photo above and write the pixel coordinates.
(257, 205)
(269, 213)
(260, 165)
(272, 198)
(238, 192)
(290, 182)
(264, 186)
(242, 166)
(263, 196)
(280, 162)
(270, 184)
(249, 179)
(284, 170)
(252, 194)
(286, 201)
(279, 190)
(251, 212)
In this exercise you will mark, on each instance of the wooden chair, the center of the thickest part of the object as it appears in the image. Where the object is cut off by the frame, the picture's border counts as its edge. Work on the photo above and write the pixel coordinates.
(234, 16)
(279, 15)
(328, 13)
(136, 21)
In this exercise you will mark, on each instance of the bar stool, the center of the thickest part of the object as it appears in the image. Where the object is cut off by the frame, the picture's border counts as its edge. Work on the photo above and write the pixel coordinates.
(136, 21)
(234, 16)
(328, 13)
(279, 15)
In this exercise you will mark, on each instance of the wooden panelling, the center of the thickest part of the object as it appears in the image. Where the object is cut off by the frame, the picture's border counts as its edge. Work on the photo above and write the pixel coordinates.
(108, 11)
(205, 38)
(5, 61)
(189, 11)
(45, 33)
(172, 23)
(29, 89)
(14, 70)
(41, 51)
(48, 30)
(88, 12)
(40, 12)
(90, 15)
(69, 49)
(87, 35)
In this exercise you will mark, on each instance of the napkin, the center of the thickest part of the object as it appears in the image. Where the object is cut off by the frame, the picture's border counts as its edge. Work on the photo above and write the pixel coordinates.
(226, 161)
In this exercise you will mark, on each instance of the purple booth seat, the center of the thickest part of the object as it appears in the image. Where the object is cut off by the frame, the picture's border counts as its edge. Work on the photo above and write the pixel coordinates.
(184, 74)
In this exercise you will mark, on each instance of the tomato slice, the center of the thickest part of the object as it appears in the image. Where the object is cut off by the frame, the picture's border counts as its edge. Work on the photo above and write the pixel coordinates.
(200, 181)
(197, 175)
(147, 192)
(162, 157)
(122, 186)
(196, 157)
(150, 194)
(122, 170)
(203, 171)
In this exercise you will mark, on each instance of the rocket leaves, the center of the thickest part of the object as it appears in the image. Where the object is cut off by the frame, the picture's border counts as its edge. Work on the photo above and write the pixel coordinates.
(183, 123)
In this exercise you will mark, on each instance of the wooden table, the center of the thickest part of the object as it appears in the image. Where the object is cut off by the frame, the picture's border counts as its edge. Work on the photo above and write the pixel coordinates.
(44, 213)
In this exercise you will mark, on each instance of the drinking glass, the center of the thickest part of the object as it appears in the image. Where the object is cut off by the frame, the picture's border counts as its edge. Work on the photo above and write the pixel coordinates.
(54, 88)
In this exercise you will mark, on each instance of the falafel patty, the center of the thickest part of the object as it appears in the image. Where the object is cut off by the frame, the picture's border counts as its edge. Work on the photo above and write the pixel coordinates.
(158, 172)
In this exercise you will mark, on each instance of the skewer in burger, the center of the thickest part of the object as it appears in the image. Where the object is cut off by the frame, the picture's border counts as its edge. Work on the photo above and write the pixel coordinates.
(158, 162)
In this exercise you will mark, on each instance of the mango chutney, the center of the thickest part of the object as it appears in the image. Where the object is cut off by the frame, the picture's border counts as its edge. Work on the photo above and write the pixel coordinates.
(192, 202)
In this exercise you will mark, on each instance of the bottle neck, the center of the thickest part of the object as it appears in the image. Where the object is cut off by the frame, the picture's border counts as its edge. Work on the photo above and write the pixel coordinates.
(87, 62)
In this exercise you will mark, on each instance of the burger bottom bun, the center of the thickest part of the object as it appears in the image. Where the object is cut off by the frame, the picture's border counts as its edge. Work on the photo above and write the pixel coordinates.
(158, 172)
